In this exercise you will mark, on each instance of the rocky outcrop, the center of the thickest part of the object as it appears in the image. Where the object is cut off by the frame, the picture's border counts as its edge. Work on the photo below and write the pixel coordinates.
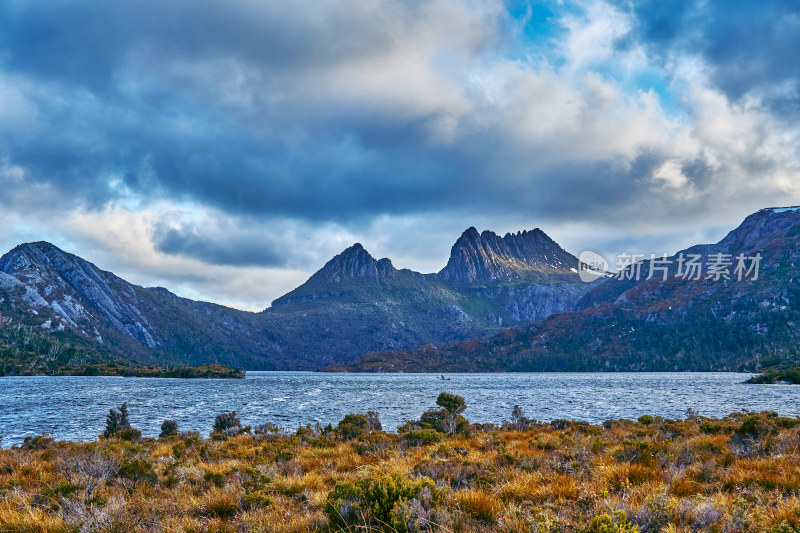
(77, 291)
(354, 262)
(486, 257)
(525, 303)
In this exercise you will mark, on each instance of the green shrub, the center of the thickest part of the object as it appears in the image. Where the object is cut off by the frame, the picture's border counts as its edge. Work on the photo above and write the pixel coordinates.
(179, 450)
(169, 428)
(420, 437)
(451, 403)
(755, 426)
(135, 472)
(128, 434)
(222, 508)
(353, 426)
(254, 500)
(645, 420)
(375, 504)
(39, 442)
(215, 478)
(612, 524)
(117, 421)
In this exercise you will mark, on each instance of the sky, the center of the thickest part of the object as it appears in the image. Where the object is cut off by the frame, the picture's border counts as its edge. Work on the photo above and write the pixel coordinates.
(227, 150)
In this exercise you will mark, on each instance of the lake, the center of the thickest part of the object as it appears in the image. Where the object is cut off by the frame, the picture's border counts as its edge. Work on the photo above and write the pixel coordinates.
(74, 408)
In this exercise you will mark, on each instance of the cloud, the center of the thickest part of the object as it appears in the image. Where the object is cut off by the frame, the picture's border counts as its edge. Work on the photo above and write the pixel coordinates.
(263, 137)
(749, 46)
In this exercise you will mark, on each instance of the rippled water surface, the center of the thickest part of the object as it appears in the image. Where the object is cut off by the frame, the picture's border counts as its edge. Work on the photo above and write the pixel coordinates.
(74, 408)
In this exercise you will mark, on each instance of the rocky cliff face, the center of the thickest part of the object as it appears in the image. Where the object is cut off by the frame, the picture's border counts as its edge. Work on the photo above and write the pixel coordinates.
(354, 262)
(486, 257)
(76, 292)
(64, 295)
(530, 302)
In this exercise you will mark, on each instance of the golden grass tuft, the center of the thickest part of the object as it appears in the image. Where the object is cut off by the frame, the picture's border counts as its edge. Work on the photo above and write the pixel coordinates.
(479, 504)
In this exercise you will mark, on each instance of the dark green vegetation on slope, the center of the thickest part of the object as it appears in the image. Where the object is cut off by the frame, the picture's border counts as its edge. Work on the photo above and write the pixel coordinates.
(778, 375)
(353, 305)
(26, 350)
(650, 325)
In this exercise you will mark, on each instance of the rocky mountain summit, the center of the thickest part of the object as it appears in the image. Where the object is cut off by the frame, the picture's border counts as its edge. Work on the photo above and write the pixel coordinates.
(486, 257)
(355, 262)
(353, 305)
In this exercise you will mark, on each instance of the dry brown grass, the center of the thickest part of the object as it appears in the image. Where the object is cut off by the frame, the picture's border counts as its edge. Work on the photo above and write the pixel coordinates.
(697, 475)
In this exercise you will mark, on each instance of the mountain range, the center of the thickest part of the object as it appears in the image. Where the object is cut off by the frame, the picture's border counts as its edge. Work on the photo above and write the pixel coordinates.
(741, 312)
(510, 303)
(57, 309)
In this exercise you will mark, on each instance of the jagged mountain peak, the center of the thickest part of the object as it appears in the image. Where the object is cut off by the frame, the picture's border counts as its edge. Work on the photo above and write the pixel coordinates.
(486, 257)
(354, 262)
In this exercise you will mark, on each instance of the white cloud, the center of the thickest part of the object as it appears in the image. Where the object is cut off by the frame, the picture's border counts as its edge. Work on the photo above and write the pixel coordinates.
(449, 73)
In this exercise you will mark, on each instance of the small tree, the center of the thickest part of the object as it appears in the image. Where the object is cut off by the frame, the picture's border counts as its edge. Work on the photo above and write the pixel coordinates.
(133, 472)
(168, 429)
(448, 419)
(227, 423)
(518, 419)
(117, 421)
(453, 404)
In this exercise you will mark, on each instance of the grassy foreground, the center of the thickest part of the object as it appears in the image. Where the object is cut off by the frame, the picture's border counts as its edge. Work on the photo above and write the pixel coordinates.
(741, 473)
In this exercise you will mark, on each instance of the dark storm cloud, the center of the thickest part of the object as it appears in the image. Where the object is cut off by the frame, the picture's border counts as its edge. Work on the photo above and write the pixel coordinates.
(112, 106)
(86, 42)
(749, 45)
(235, 248)
(342, 112)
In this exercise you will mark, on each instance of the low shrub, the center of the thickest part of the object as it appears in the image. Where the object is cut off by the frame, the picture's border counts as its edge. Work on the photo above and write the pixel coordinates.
(645, 420)
(375, 504)
(39, 442)
(136, 471)
(421, 437)
(353, 426)
(169, 428)
(618, 523)
(227, 424)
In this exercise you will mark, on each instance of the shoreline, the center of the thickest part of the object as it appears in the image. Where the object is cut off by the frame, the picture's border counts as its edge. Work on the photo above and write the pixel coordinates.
(211, 371)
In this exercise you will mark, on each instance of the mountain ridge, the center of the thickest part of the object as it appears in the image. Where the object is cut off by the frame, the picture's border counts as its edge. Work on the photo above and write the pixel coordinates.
(655, 324)
(352, 305)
